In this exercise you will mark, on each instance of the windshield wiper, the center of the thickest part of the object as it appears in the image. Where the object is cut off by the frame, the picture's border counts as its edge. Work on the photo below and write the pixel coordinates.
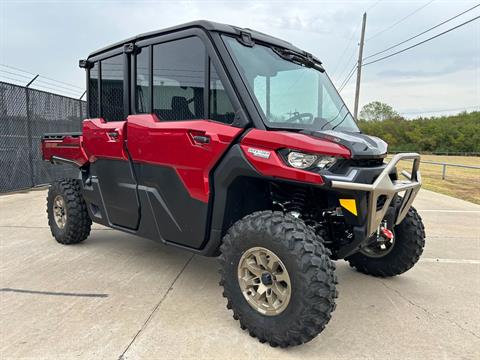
(340, 122)
(331, 120)
(306, 59)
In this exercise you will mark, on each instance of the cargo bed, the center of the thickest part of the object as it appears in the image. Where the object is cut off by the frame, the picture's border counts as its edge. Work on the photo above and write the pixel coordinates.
(65, 148)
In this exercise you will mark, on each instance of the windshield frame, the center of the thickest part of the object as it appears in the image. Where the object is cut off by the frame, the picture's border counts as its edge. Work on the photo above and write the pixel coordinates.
(315, 66)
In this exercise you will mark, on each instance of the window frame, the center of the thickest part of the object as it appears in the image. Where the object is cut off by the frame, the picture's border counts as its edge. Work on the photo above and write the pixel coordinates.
(205, 69)
(126, 81)
(89, 114)
(210, 55)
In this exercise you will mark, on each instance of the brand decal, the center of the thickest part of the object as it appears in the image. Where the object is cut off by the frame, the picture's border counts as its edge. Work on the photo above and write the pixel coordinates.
(259, 153)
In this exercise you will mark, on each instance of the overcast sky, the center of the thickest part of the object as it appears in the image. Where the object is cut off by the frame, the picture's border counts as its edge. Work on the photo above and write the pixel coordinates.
(49, 37)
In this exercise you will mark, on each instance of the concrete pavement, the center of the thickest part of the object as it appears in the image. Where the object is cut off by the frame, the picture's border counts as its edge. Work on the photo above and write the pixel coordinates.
(117, 296)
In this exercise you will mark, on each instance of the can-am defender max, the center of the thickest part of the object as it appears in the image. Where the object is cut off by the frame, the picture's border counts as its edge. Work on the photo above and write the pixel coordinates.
(228, 142)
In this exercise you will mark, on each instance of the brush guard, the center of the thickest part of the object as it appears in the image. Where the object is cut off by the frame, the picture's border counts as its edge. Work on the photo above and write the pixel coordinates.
(384, 186)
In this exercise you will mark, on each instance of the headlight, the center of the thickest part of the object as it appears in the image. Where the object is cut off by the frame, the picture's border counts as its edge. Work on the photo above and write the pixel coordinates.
(326, 162)
(300, 160)
(303, 161)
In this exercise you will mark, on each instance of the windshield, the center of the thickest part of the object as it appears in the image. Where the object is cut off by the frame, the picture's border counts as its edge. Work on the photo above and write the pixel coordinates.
(291, 95)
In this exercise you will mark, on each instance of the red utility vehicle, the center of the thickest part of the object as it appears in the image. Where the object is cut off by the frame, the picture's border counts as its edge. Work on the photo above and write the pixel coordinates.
(228, 142)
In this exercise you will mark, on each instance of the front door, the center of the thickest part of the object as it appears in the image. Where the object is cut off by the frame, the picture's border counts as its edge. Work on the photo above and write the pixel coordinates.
(176, 144)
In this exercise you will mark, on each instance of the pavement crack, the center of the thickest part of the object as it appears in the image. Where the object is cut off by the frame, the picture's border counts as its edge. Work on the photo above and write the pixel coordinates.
(55, 293)
(426, 311)
(144, 325)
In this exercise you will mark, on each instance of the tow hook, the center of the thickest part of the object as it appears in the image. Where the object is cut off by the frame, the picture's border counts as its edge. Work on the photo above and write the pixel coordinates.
(386, 234)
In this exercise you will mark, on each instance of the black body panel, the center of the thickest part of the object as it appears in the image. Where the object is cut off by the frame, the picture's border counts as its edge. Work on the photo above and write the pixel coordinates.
(209, 26)
(360, 145)
(230, 187)
(168, 208)
(114, 189)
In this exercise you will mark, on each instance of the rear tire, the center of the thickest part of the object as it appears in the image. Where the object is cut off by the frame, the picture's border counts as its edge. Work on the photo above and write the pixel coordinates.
(308, 267)
(408, 246)
(67, 212)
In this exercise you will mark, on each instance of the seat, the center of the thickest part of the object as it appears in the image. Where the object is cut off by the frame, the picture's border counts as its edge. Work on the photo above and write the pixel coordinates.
(180, 109)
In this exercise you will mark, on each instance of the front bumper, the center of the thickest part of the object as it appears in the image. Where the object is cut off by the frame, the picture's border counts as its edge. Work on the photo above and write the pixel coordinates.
(384, 187)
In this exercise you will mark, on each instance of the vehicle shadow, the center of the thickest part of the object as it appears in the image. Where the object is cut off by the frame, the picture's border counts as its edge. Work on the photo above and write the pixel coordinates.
(364, 305)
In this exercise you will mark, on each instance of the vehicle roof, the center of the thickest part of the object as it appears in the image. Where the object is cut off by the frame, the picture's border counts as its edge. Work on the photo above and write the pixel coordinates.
(205, 25)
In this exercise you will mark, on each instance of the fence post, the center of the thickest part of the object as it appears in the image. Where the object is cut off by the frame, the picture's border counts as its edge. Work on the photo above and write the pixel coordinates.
(444, 170)
(29, 130)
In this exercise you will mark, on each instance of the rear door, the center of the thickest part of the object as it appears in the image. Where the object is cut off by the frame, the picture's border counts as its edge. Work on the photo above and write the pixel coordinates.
(113, 194)
(181, 129)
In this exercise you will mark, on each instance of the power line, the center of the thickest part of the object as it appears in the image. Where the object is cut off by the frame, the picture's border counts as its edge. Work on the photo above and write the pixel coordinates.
(400, 21)
(373, 5)
(334, 72)
(53, 89)
(10, 78)
(423, 32)
(64, 88)
(349, 75)
(342, 73)
(421, 42)
(58, 86)
(345, 82)
(19, 75)
(343, 53)
(28, 72)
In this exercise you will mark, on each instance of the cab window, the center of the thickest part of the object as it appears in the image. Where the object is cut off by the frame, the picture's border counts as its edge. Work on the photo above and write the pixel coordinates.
(142, 82)
(179, 79)
(112, 88)
(220, 107)
(107, 76)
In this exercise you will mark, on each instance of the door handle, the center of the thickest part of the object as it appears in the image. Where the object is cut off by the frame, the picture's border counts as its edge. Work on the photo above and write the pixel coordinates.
(113, 135)
(201, 139)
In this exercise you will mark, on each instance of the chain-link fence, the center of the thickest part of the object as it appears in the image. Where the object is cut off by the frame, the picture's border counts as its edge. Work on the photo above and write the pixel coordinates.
(25, 115)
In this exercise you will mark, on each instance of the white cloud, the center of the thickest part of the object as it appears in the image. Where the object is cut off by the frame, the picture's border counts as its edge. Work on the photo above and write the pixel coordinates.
(50, 37)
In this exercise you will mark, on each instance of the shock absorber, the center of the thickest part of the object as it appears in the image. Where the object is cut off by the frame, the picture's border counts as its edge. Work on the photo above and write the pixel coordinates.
(297, 203)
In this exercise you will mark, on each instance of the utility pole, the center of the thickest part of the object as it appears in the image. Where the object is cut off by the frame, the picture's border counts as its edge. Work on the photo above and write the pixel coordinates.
(359, 65)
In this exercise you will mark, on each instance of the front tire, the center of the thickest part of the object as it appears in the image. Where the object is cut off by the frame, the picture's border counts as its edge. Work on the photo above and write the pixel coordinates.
(287, 269)
(407, 248)
(67, 212)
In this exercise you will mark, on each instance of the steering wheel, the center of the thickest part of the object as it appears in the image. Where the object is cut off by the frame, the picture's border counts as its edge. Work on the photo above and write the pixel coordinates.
(297, 117)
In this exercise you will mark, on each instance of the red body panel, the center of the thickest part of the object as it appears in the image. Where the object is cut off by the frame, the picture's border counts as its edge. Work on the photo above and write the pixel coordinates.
(274, 166)
(98, 141)
(275, 140)
(171, 143)
(68, 148)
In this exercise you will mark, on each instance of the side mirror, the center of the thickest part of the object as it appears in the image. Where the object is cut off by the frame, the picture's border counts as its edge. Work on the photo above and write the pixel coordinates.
(85, 64)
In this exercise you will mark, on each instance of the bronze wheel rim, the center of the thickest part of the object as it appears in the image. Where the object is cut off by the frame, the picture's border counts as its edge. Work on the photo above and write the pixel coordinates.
(264, 281)
(59, 211)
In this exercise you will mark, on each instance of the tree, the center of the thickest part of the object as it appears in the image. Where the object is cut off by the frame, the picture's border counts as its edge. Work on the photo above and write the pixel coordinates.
(378, 111)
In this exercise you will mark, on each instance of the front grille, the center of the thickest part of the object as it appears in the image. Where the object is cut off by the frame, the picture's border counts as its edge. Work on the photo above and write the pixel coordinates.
(366, 162)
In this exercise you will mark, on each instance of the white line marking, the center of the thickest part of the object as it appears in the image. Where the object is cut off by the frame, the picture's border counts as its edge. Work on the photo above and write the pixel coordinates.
(451, 211)
(450, 261)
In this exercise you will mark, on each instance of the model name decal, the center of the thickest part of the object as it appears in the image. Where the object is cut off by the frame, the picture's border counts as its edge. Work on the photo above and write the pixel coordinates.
(259, 153)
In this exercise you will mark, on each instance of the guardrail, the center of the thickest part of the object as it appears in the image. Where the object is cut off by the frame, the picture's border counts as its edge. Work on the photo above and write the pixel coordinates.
(445, 165)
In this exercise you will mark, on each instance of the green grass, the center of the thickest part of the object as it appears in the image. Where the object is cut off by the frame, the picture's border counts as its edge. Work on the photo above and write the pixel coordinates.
(459, 182)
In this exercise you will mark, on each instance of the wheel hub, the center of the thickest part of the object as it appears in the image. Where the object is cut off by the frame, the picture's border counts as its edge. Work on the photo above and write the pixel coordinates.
(267, 279)
(59, 211)
(264, 281)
